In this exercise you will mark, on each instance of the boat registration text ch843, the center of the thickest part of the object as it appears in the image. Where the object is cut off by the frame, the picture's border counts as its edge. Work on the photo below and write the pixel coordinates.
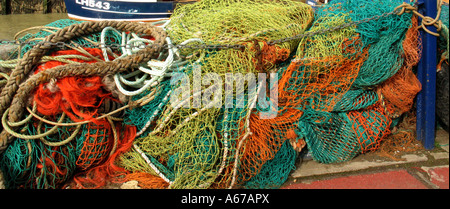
(94, 4)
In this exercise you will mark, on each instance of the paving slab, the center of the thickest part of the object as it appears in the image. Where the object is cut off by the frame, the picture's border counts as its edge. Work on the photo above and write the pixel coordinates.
(313, 168)
(439, 175)
(442, 138)
(440, 155)
(397, 179)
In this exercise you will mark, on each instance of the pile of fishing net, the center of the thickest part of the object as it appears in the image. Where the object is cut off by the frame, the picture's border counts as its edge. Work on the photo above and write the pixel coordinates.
(231, 105)
(442, 79)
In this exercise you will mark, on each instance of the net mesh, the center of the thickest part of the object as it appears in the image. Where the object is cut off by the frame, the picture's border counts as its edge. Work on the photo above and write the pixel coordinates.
(94, 145)
(34, 164)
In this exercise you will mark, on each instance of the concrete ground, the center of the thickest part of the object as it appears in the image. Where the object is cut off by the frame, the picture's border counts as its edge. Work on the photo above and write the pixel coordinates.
(424, 169)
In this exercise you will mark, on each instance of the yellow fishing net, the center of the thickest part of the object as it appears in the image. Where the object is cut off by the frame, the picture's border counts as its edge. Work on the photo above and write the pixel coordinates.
(202, 147)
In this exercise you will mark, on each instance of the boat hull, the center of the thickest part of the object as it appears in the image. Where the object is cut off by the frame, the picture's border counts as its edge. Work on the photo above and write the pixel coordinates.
(121, 10)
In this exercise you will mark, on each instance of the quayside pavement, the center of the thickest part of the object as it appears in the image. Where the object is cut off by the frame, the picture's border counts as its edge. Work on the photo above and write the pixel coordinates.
(424, 169)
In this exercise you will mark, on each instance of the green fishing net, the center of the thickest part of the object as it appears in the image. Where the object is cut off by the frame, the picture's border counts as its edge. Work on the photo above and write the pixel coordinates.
(143, 116)
(355, 100)
(50, 161)
(31, 38)
(329, 136)
(443, 39)
(276, 171)
(333, 75)
(382, 36)
(34, 164)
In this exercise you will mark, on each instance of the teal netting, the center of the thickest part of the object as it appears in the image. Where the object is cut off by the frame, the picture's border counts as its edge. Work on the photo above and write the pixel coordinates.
(86, 41)
(384, 36)
(276, 171)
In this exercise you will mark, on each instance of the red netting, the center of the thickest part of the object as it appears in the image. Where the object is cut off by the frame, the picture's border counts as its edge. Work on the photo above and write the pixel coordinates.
(78, 97)
(370, 126)
(97, 144)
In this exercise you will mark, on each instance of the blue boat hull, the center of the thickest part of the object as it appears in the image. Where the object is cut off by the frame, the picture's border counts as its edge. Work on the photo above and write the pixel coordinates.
(122, 10)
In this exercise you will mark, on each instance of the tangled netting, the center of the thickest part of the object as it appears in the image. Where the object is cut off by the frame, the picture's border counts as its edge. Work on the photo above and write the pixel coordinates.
(442, 101)
(170, 121)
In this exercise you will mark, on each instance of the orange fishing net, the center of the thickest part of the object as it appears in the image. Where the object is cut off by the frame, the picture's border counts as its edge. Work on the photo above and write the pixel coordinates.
(96, 146)
(268, 135)
(96, 177)
(147, 181)
(319, 83)
(268, 55)
(400, 90)
(78, 97)
(371, 126)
